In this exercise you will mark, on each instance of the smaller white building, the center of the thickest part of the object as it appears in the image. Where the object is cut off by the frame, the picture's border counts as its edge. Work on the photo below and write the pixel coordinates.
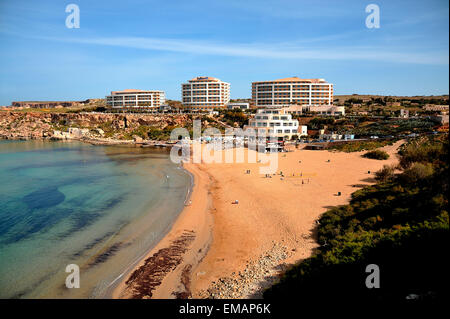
(242, 106)
(317, 109)
(336, 136)
(276, 122)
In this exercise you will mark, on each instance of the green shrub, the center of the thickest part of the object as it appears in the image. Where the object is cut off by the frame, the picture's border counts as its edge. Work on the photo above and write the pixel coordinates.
(377, 154)
(422, 150)
(385, 174)
(417, 172)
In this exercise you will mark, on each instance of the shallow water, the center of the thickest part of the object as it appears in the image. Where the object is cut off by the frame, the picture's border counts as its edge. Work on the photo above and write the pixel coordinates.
(99, 207)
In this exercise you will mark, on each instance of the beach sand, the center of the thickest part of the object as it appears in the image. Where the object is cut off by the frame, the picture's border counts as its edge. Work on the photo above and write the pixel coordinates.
(218, 249)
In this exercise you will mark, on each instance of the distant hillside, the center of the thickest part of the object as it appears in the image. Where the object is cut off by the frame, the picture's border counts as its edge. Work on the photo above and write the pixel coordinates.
(368, 97)
(58, 104)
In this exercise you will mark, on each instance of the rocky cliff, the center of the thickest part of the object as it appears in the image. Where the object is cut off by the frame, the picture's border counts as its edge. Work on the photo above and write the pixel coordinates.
(39, 125)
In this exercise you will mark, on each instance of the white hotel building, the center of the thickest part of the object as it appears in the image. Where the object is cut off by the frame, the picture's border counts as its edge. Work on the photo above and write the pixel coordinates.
(136, 98)
(276, 122)
(205, 93)
(289, 91)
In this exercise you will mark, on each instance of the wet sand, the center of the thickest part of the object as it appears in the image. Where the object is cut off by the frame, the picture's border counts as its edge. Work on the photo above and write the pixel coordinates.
(237, 250)
(160, 274)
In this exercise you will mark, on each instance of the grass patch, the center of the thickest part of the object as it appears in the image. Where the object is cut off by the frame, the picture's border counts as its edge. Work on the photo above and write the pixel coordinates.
(358, 146)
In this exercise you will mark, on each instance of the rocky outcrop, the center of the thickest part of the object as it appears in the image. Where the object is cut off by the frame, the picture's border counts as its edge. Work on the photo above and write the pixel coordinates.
(257, 276)
(39, 125)
(21, 125)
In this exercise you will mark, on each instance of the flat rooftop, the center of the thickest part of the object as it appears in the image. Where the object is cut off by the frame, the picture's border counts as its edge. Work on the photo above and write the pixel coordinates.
(295, 79)
(135, 91)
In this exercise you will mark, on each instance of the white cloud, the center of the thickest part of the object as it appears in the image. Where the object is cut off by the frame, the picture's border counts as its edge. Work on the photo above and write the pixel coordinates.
(267, 50)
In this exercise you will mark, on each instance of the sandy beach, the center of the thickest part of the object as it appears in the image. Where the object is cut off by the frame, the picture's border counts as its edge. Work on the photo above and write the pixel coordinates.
(218, 249)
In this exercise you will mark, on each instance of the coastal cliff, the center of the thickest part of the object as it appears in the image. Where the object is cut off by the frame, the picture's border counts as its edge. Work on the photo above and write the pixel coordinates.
(39, 125)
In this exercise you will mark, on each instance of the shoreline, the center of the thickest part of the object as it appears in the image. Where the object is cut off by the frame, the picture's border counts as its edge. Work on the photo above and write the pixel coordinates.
(92, 141)
(108, 238)
(117, 284)
(191, 233)
(236, 251)
(107, 293)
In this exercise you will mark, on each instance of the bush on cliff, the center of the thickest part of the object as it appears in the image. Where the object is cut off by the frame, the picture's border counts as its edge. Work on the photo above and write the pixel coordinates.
(150, 133)
(235, 116)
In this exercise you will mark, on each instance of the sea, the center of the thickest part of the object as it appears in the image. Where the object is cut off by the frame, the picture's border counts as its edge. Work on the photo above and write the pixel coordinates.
(70, 205)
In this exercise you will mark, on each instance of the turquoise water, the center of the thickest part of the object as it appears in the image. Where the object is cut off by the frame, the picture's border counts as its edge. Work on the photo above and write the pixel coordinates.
(99, 207)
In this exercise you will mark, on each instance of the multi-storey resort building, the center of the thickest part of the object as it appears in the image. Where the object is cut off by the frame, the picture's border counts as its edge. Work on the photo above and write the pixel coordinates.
(205, 93)
(276, 122)
(136, 98)
(288, 91)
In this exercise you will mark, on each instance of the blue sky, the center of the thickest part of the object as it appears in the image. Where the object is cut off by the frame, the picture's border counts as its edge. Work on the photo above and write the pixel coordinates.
(160, 44)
